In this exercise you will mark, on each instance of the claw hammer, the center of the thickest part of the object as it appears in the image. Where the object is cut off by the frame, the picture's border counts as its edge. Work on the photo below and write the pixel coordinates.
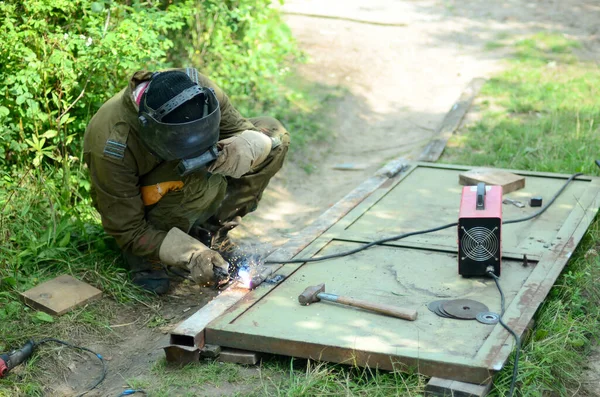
(316, 293)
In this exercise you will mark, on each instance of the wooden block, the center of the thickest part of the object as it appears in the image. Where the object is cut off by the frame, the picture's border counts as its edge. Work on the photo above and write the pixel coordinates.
(59, 295)
(210, 351)
(509, 181)
(238, 356)
(439, 387)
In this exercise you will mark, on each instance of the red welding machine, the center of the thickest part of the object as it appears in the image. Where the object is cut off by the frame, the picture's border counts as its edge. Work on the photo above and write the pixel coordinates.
(479, 226)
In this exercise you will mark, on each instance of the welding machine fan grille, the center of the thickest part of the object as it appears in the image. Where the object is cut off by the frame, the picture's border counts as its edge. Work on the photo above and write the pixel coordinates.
(480, 243)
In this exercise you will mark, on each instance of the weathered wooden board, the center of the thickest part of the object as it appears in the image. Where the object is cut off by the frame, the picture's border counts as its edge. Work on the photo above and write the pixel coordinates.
(61, 294)
(413, 272)
(450, 388)
(509, 181)
(451, 122)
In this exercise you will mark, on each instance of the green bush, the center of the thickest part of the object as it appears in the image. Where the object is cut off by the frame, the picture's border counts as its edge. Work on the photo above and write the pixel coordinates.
(245, 47)
(61, 59)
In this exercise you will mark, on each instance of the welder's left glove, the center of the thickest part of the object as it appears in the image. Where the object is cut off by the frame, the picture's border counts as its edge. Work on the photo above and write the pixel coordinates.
(240, 154)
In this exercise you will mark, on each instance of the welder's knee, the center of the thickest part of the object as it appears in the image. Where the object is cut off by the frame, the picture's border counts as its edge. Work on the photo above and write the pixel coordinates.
(272, 127)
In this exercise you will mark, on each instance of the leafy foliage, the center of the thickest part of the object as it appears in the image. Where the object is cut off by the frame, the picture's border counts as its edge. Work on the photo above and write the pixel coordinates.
(245, 47)
(60, 59)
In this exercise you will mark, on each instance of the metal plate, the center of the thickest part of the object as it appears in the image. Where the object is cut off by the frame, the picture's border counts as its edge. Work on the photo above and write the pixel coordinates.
(411, 273)
(467, 309)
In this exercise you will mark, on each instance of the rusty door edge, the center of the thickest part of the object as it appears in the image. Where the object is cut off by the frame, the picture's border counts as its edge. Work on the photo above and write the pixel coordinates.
(466, 372)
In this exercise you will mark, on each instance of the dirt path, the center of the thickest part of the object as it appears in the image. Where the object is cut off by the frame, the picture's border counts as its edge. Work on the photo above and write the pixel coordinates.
(403, 63)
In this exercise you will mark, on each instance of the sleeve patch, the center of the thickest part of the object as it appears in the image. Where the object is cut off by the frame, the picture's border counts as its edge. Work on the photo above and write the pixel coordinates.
(114, 149)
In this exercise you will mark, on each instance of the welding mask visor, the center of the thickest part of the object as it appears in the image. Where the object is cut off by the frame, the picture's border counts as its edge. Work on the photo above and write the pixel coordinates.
(184, 127)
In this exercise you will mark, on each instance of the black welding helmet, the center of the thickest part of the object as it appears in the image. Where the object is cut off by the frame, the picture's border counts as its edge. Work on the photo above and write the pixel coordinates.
(179, 119)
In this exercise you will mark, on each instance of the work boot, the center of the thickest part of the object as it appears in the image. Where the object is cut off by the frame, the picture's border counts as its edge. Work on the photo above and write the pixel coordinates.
(145, 275)
(156, 281)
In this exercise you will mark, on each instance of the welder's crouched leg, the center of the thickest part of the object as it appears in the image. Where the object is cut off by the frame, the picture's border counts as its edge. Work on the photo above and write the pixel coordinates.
(145, 275)
(243, 194)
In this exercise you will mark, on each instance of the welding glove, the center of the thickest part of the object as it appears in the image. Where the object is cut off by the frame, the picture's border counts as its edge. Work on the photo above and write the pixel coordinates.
(182, 250)
(239, 154)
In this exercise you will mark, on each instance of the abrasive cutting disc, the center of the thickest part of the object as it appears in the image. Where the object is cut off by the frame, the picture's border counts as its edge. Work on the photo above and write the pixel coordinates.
(446, 314)
(465, 309)
(435, 307)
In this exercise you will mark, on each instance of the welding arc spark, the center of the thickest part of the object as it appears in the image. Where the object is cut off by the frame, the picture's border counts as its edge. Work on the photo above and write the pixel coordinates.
(479, 243)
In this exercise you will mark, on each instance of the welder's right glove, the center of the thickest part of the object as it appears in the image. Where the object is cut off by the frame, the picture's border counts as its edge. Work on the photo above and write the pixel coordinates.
(241, 153)
(182, 250)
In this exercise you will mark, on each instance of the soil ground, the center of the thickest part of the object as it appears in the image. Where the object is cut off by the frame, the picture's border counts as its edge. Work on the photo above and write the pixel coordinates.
(403, 64)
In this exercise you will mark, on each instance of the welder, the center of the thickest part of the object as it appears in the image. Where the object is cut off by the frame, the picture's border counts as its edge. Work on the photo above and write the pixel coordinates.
(174, 167)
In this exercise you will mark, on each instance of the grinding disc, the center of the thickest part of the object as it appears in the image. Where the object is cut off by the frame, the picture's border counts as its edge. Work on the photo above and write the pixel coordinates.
(487, 318)
(466, 309)
(435, 307)
(446, 314)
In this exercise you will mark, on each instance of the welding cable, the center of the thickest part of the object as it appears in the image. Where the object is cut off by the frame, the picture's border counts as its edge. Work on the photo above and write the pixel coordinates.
(513, 333)
(434, 229)
(362, 248)
(548, 204)
(85, 349)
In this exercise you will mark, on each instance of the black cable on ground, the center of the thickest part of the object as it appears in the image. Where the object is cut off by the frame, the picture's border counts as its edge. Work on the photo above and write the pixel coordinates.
(513, 333)
(364, 247)
(435, 229)
(61, 342)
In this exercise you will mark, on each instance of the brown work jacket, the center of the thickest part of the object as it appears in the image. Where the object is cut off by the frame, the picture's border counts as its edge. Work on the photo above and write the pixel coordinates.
(120, 166)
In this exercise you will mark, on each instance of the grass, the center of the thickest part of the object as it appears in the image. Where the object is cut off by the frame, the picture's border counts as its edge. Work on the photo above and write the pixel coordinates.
(277, 376)
(543, 114)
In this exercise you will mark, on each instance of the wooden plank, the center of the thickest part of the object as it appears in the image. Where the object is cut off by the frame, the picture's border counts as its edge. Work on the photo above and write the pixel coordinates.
(509, 181)
(210, 351)
(61, 294)
(451, 122)
(237, 356)
(190, 332)
(450, 388)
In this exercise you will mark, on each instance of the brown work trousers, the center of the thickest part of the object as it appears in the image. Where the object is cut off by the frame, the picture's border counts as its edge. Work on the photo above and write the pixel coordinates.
(209, 200)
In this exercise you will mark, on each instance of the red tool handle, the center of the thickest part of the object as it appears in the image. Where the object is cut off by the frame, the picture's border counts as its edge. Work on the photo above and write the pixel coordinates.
(3, 367)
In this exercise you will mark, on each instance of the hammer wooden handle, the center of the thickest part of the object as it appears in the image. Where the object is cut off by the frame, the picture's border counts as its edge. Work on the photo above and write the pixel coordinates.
(389, 310)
